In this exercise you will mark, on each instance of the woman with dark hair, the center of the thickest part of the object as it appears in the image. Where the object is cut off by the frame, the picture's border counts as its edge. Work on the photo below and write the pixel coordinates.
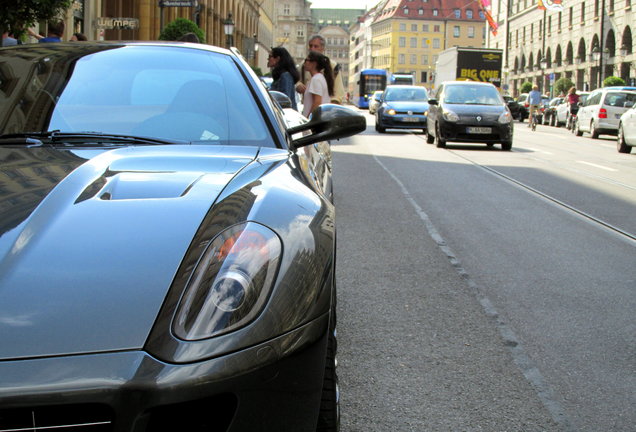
(284, 73)
(320, 87)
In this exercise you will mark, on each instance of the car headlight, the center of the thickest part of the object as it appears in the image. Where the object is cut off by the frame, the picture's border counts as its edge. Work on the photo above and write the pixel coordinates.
(505, 117)
(230, 284)
(450, 116)
(391, 111)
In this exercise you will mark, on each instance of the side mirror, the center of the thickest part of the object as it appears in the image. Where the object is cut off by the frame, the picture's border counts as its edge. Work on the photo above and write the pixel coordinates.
(433, 101)
(327, 122)
(283, 100)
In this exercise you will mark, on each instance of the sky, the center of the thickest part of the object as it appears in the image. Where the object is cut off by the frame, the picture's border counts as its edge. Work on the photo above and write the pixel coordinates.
(343, 4)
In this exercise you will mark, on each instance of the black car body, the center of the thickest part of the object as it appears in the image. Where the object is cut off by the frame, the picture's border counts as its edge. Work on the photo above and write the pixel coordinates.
(167, 245)
(514, 107)
(471, 112)
(402, 107)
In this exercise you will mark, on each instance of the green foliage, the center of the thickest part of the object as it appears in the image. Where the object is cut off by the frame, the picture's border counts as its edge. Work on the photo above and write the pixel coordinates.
(17, 16)
(562, 85)
(257, 71)
(613, 81)
(525, 87)
(178, 28)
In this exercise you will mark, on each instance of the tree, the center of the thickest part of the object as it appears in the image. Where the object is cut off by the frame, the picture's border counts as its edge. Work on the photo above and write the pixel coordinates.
(613, 81)
(525, 87)
(563, 85)
(17, 16)
(178, 28)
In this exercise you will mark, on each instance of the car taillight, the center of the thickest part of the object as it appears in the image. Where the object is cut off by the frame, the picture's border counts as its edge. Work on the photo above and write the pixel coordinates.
(526, 104)
(602, 113)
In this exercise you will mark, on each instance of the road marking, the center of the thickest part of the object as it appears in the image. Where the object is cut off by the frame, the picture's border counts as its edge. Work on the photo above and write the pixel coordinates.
(597, 166)
(539, 151)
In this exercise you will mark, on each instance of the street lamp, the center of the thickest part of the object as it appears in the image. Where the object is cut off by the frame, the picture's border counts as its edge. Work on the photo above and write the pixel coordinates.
(596, 53)
(543, 63)
(228, 27)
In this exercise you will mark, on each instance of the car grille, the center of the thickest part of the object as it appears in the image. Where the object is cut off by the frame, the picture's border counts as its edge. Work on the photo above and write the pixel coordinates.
(71, 418)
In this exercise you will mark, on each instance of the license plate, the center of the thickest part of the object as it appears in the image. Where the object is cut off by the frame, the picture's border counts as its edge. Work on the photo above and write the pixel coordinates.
(479, 130)
(410, 119)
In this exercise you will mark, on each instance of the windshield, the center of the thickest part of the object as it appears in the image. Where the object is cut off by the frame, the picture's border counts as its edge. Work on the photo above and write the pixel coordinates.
(180, 94)
(472, 95)
(417, 94)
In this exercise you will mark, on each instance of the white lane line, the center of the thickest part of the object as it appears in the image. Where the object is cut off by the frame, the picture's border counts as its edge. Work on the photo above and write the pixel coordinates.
(597, 166)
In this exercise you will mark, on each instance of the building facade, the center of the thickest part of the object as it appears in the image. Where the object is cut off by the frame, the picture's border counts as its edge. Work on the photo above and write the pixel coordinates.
(293, 27)
(408, 35)
(586, 41)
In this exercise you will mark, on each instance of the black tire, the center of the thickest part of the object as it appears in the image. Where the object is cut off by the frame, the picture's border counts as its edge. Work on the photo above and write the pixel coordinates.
(379, 128)
(430, 139)
(594, 131)
(439, 141)
(553, 120)
(329, 417)
(621, 145)
(506, 145)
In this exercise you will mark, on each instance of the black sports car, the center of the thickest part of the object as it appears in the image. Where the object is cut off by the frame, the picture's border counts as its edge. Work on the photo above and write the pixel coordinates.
(469, 112)
(167, 244)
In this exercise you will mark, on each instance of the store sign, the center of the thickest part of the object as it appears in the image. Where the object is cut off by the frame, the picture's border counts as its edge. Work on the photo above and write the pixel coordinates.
(117, 23)
(178, 3)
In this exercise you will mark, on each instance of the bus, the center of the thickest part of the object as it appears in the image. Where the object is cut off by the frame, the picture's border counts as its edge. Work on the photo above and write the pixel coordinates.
(401, 79)
(369, 81)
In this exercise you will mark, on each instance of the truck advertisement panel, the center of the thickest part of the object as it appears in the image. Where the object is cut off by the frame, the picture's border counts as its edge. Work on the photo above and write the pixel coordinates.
(479, 66)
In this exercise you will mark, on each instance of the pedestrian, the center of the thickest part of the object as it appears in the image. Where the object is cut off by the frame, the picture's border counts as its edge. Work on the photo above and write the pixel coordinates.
(321, 84)
(54, 32)
(534, 99)
(189, 37)
(284, 73)
(79, 37)
(8, 40)
(317, 43)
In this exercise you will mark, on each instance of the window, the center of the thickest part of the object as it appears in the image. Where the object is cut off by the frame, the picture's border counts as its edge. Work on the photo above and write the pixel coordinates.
(435, 12)
(471, 32)
(482, 16)
(413, 43)
(406, 11)
(402, 27)
(414, 27)
(436, 28)
(402, 42)
(424, 59)
(582, 13)
(300, 31)
(436, 43)
(420, 11)
(424, 43)
(425, 28)
(469, 13)
(413, 58)
(286, 9)
(456, 31)
(571, 17)
(596, 7)
(401, 59)
(458, 13)
(424, 77)
(559, 21)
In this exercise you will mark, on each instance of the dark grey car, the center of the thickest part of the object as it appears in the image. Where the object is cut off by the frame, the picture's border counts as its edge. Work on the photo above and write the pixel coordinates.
(470, 112)
(167, 244)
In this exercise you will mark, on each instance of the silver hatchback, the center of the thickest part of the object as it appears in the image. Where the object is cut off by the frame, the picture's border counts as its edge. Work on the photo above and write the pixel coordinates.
(601, 112)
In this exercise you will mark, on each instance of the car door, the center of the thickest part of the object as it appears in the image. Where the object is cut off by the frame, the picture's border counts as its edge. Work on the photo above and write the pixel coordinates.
(586, 112)
(433, 111)
(629, 125)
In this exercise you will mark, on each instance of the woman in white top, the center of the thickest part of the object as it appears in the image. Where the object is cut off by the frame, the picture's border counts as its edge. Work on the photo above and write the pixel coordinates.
(320, 86)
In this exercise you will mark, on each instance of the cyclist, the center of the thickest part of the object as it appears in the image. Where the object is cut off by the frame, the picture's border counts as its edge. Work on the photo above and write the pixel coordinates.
(573, 105)
(534, 99)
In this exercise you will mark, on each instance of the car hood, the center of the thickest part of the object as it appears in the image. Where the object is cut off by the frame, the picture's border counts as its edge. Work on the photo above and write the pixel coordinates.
(90, 240)
(407, 105)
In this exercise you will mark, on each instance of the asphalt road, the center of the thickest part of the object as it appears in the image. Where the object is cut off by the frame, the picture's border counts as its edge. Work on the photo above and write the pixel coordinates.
(482, 290)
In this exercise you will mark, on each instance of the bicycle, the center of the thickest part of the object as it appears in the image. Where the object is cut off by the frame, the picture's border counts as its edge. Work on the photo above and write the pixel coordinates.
(533, 120)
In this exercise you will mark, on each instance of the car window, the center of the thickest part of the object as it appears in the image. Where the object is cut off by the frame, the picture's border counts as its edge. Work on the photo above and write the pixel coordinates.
(620, 100)
(472, 95)
(191, 95)
(415, 94)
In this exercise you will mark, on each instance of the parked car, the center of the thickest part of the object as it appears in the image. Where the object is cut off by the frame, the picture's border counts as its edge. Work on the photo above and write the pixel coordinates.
(375, 101)
(468, 111)
(524, 107)
(601, 111)
(549, 112)
(563, 110)
(168, 244)
(402, 107)
(626, 137)
(514, 107)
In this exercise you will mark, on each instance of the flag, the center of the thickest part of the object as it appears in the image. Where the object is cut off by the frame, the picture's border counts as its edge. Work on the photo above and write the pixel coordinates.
(551, 5)
(485, 5)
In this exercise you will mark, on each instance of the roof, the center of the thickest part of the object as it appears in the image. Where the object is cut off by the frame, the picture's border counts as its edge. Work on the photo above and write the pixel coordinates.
(424, 10)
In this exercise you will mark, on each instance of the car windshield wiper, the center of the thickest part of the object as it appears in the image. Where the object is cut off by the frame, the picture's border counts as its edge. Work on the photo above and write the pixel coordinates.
(74, 138)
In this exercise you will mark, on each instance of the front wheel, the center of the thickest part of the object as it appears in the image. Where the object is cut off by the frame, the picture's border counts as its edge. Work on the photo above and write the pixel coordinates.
(621, 145)
(329, 417)
(379, 128)
(439, 141)
(506, 145)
